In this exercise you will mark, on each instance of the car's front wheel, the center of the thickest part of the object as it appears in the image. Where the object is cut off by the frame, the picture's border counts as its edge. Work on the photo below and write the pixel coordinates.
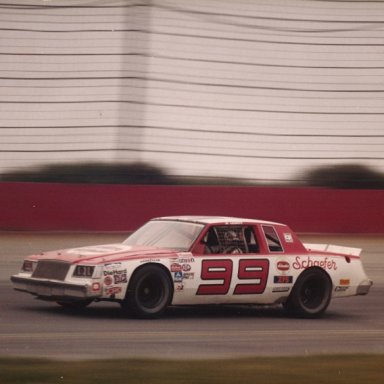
(310, 295)
(149, 293)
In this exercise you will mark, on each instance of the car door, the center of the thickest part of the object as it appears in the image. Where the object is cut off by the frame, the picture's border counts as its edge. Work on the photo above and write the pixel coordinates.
(229, 267)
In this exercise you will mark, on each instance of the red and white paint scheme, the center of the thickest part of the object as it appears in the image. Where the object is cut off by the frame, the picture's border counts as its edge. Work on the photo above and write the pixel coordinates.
(193, 260)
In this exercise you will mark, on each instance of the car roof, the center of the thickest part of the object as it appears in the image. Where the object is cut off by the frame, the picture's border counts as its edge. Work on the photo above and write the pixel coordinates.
(216, 220)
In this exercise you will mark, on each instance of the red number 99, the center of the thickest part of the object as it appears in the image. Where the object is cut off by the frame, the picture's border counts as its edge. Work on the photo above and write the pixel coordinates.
(215, 270)
(254, 271)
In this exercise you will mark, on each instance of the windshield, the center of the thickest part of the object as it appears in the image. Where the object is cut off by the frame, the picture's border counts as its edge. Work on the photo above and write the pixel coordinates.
(166, 234)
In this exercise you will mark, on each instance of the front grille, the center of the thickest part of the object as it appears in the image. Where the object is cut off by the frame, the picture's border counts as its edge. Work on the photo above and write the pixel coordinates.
(51, 269)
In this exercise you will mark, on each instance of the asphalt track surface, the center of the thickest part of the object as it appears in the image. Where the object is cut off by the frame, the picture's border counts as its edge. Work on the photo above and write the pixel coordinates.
(33, 328)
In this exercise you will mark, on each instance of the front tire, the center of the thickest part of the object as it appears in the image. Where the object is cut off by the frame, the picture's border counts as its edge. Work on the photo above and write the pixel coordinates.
(310, 295)
(149, 293)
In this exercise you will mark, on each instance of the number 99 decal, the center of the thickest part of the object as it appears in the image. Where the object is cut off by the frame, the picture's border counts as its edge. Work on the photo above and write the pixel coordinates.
(254, 270)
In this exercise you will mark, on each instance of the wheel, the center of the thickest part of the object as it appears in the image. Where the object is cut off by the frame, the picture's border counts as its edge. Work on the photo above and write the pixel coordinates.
(310, 295)
(149, 293)
(75, 305)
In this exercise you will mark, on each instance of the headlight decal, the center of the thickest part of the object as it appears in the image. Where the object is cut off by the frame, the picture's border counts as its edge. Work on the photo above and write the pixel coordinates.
(84, 271)
(28, 266)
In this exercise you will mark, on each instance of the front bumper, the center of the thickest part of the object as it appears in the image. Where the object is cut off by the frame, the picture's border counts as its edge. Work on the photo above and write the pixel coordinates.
(54, 290)
(364, 287)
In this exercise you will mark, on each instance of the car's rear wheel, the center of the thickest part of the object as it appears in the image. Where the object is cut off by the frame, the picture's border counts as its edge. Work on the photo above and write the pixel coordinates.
(310, 295)
(149, 293)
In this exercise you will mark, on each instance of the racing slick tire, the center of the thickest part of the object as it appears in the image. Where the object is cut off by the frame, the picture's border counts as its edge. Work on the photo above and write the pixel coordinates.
(310, 295)
(149, 293)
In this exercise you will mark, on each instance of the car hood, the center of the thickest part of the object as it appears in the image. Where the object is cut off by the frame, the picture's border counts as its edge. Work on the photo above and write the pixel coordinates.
(104, 254)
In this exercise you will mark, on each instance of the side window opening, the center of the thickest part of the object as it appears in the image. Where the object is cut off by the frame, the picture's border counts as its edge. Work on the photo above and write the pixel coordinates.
(211, 241)
(230, 239)
(272, 238)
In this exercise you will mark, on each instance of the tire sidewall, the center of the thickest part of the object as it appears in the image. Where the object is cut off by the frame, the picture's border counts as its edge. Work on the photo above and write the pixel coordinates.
(134, 305)
(295, 304)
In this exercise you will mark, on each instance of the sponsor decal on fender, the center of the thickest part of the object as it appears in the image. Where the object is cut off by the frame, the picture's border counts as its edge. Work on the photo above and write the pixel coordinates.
(186, 260)
(189, 276)
(121, 278)
(283, 279)
(178, 278)
(281, 289)
(304, 263)
(179, 287)
(113, 291)
(341, 289)
(343, 285)
(119, 275)
(175, 267)
(283, 266)
(111, 266)
(288, 237)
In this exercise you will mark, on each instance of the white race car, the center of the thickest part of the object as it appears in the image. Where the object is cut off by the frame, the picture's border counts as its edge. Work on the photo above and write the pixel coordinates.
(191, 260)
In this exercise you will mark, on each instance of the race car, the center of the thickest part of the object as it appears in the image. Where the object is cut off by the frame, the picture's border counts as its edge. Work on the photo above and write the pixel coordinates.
(198, 260)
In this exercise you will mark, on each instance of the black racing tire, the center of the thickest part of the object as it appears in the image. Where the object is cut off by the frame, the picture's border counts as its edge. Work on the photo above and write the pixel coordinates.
(149, 293)
(74, 305)
(310, 295)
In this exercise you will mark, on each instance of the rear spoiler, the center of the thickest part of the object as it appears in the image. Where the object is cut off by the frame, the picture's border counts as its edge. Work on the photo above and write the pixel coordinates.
(349, 251)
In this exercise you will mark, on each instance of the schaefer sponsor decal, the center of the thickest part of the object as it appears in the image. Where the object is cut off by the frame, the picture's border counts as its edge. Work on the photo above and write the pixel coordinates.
(307, 262)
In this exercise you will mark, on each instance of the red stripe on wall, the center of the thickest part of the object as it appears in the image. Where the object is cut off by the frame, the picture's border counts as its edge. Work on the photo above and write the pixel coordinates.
(43, 206)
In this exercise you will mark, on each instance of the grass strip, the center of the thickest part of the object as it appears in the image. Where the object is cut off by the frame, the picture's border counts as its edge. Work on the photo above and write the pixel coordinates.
(348, 369)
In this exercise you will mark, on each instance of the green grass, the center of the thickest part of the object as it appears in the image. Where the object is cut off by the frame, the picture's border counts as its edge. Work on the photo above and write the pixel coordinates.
(367, 369)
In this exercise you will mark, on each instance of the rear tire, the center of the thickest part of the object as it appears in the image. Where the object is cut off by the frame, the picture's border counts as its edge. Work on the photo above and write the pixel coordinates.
(149, 293)
(310, 295)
